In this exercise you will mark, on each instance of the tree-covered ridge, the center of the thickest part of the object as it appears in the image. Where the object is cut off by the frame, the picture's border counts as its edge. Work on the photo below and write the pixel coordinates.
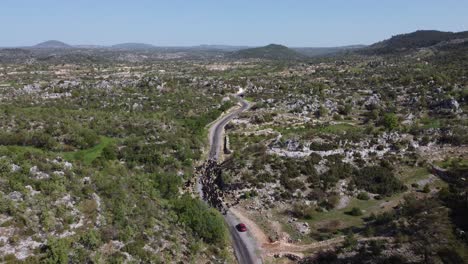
(411, 41)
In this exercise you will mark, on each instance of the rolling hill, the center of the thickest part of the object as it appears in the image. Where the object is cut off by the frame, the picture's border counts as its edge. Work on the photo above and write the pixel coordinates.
(133, 46)
(269, 52)
(323, 51)
(414, 40)
(52, 44)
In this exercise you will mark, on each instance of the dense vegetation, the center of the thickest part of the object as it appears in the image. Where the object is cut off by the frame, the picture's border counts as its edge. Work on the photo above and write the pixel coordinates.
(102, 166)
(411, 41)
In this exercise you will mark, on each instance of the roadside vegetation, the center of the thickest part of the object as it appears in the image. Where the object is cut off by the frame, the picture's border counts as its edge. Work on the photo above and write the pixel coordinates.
(97, 176)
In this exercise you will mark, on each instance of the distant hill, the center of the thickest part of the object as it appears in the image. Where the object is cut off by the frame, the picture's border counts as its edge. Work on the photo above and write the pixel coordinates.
(89, 46)
(414, 40)
(270, 52)
(133, 46)
(220, 47)
(52, 44)
(322, 51)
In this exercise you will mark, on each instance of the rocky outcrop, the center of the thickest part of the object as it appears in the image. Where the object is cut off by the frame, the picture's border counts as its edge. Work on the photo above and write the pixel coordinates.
(448, 106)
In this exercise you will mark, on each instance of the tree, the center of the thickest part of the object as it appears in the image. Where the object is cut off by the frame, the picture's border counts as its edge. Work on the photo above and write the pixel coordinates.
(350, 241)
(390, 121)
(363, 196)
(345, 110)
(91, 239)
(56, 251)
(205, 222)
(426, 189)
(355, 211)
(429, 226)
(168, 185)
(376, 179)
(321, 112)
(109, 152)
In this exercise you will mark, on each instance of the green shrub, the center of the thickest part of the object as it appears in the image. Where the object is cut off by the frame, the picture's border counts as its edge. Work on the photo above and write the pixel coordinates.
(376, 179)
(205, 222)
(303, 211)
(168, 185)
(426, 189)
(363, 196)
(109, 152)
(91, 239)
(355, 211)
(390, 121)
(56, 251)
(350, 241)
(322, 146)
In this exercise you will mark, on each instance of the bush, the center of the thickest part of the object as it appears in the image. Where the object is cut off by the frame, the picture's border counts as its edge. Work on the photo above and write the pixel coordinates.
(350, 241)
(109, 152)
(426, 189)
(345, 110)
(249, 194)
(314, 158)
(290, 185)
(91, 240)
(303, 211)
(168, 185)
(355, 211)
(390, 121)
(376, 179)
(56, 251)
(363, 196)
(205, 222)
(322, 146)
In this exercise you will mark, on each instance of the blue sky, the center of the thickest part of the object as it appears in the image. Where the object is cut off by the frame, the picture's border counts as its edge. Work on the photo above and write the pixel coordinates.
(239, 22)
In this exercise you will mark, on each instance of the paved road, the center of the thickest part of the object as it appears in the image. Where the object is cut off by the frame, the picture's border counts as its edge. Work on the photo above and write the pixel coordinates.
(244, 245)
(217, 129)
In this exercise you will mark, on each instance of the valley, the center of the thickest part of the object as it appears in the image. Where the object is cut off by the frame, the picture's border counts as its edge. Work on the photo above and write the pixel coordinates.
(133, 153)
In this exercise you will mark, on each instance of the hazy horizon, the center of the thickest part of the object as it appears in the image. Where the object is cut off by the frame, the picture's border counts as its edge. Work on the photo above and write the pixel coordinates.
(243, 23)
(173, 46)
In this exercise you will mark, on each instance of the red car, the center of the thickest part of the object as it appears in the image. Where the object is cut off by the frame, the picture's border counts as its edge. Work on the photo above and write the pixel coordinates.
(241, 227)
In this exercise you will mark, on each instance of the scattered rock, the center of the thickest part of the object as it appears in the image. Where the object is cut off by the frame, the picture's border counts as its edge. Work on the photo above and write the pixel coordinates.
(67, 165)
(302, 227)
(15, 196)
(15, 168)
(37, 174)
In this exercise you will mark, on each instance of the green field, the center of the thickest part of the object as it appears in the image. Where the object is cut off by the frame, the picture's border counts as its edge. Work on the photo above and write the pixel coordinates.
(89, 155)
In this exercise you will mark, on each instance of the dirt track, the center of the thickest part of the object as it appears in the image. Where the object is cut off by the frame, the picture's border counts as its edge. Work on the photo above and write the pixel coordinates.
(282, 247)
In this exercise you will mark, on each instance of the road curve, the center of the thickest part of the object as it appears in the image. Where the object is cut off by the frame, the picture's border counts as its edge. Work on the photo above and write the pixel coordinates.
(217, 129)
(245, 247)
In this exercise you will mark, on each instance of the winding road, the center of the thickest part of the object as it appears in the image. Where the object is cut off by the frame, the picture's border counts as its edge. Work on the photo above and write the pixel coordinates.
(245, 247)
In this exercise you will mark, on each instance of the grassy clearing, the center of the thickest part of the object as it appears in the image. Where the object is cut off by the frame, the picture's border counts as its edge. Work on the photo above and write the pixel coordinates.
(411, 175)
(294, 130)
(336, 129)
(448, 163)
(21, 149)
(337, 215)
(367, 206)
(86, 155)
(89, 155)
(249, 99)
(439, 184)
(428, 123)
